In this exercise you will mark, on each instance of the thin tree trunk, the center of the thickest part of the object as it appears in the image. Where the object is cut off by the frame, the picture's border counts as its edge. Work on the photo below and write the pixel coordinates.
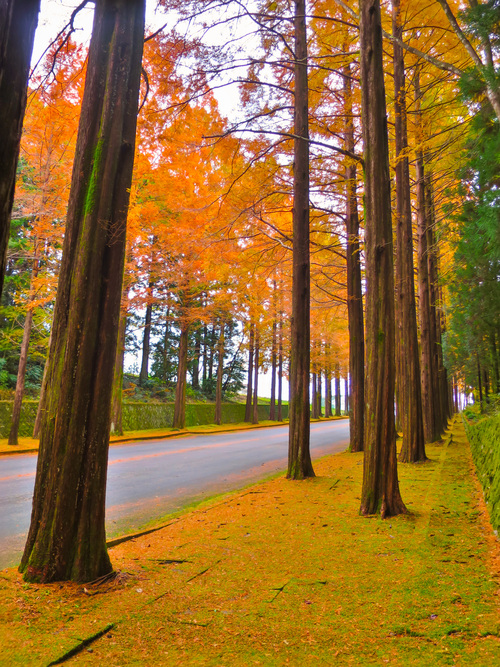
(18, 21)
(280, 371)
(434, 328)
(426, 353)
(180, 387)
(21, 374)
(354, 291)
(23, 359)
(272, 404)
(205, 357)
(337, 390)
(346, 395)
(248, 406)
(409, 388)
(117, 397)
(328, 393)
(146, 338)
(220, 373)
(314, 398)
(380, 491)
(479, 383)
(195, 372)
(299, 455)
(319, 397)
(255, 412)
(67, 538)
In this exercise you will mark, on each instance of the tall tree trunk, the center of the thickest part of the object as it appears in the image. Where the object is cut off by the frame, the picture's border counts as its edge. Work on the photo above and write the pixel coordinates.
(494, 356)
(380, 491)
(205, 357)
(426, 348)
(195, 372)
(180, 387)
(272, 404)
(255, 412)
(314, 397)
(248, 406)
(328, 393)
(117, 397)
(409, 387)
(166, 345)
(354, 291)
(220, 373)
(23, 359)
(299, 455)
(319, 397)
(211, 352)
(337, 390)
(146, 338)
(346, 395)
(479, 383)
(18, 21)
(67, 538)
(434, 328)
(280, 370)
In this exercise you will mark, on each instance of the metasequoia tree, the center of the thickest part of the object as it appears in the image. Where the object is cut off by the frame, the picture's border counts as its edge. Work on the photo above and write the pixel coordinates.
(354, 292)
(66, 539)
(380, 491)
(409, 389)
(18, 21)
(299, 455)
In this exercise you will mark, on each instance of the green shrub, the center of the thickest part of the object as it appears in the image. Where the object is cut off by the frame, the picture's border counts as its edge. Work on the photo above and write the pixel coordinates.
(141, 416)
(484, 438)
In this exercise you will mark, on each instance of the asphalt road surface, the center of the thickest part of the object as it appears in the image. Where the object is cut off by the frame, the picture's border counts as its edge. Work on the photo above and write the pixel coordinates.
(149, 479)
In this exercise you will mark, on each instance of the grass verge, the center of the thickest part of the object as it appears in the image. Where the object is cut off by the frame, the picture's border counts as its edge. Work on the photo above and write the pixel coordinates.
(286, 573)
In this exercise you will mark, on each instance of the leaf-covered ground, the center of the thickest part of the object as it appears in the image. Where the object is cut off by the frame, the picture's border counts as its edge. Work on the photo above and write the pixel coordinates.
(286, 573)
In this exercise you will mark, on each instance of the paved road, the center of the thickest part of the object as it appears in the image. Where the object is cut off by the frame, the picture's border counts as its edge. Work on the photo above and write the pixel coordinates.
(149, 479)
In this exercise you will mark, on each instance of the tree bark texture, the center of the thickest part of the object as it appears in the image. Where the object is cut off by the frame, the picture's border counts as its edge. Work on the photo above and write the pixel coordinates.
(354, 292)
(409, 387)
(18, 21)
(380, 491)
(299, 455)
(180, 387)
(67, 539)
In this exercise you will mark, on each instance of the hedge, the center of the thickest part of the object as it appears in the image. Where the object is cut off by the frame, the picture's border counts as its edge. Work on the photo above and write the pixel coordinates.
(142, 416)
(484, 438)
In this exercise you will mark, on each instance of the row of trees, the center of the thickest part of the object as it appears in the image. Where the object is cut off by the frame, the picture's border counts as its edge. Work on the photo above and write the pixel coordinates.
(243, 227)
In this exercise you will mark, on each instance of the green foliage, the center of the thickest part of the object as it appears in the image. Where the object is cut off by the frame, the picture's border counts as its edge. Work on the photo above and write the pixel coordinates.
(474, 313)
(28, 416)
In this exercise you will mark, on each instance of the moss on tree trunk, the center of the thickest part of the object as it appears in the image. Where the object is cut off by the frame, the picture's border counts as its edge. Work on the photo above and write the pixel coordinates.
(67, 539)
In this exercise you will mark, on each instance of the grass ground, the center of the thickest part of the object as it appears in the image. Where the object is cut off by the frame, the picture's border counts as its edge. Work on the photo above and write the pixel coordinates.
(286, 573)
